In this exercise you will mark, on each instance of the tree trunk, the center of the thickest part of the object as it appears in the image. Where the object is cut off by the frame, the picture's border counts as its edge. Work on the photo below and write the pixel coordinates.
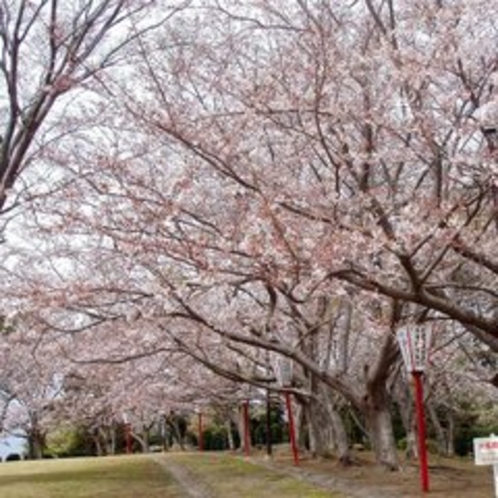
(382, 437)
(376, 409)
(411, 451)
(302, 434)
(164, 434)
(451, 434)
(104, 433)
(230, 441)
(405, 402)
(143, 440)
(339, 441)
(340, 438)
(320, 430)
(113, 438)
(36, 439)
(441, 437)
(176, 432)
(444, 435)
(98, 446)
(36, 443)
(241, 426)
(327, 434)
(379, 423)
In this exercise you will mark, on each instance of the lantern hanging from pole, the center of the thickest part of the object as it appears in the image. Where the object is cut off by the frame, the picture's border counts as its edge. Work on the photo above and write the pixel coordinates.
(415, 344)
(284, 371)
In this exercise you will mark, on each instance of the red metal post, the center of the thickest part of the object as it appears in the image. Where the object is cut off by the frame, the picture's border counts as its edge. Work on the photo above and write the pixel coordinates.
(292, 433)
(201, 436)
(422, 448)
(247, 434)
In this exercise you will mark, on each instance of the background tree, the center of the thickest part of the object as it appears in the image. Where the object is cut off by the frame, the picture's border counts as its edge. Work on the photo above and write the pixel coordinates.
(52, 59)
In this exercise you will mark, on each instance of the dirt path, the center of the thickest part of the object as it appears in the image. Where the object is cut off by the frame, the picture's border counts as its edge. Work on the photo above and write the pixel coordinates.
(244, 482)
(448, 477)
(327, 481)
(215, 476)
(193, 486)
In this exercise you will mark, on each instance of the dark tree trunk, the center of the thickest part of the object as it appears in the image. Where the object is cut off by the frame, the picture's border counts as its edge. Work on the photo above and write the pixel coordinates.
(36, 444)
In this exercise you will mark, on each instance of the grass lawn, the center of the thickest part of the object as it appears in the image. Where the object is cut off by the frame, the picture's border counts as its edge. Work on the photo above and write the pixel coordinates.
(228, 477)
(141, 476)
(222, 475)
(109, 477)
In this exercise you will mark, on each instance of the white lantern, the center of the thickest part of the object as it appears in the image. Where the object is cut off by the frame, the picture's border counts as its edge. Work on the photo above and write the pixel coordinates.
(284, 368)
(415, 344)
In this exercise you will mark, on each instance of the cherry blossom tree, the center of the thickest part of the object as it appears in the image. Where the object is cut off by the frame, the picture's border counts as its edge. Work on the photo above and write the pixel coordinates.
(30, 377)
(377, 177)
(294, 178)
(52, 59)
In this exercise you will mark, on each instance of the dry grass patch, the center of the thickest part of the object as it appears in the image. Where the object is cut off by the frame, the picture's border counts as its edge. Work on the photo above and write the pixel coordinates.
(449, 477)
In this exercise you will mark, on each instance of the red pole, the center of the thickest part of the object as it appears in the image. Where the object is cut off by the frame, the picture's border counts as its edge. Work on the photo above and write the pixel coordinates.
(201, 436)
(292, 433)
(247, 434)
(422, 448)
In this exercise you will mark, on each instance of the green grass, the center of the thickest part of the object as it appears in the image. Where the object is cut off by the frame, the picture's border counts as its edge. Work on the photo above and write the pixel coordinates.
(109, 477)
(140, 476)
(228, 476)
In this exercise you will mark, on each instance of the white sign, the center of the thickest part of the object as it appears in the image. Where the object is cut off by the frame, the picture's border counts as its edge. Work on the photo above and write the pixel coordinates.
(415, 344)
(486, 453)
(486, 450)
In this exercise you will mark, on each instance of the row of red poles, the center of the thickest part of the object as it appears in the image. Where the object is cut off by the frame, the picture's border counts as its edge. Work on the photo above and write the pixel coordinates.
(424, 473)
(247, 433)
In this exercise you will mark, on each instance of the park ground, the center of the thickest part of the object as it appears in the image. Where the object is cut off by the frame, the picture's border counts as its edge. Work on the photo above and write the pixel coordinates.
(222, 475)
